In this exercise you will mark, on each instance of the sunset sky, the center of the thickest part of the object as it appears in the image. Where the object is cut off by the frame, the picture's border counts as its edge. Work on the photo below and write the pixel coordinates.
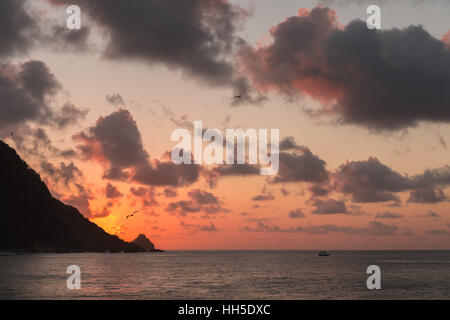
(363, 118)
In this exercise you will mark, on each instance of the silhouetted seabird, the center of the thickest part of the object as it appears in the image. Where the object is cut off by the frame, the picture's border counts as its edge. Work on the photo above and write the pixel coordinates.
(130, 215)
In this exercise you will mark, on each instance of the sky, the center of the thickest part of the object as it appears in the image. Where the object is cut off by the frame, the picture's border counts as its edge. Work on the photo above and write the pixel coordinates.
(362, 114)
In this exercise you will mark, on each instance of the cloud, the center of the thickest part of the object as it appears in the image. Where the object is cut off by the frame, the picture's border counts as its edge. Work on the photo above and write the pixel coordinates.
(116, 143)
(329, 206)
(66, 182)
(237, 170)
(265, 195)
(437, 232)
(26, 91)
(170, 193)
(22, 28)
(31, 141)
(377, 228)
(146, 194)
(111, 192)
(374, 228)
(442, 141)
(194, 228)
(16, 28)
(380, 79)
(115, 140)
(288, 144)
(67, 115)
(167, 174)
(198, 37)
(80, 200)
(431, 214)
(285, 192)
(65, 172)
(427, 195)
(62, 39)
(318, 190)
(115, 99)
(199, 201)
(388, 215)
(301, 166)
(296, 214)
(372, 181)
(298, 165)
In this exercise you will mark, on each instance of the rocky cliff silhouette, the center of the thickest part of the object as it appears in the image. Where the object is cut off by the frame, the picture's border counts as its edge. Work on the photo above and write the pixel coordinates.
(33, 221)
(145, 243)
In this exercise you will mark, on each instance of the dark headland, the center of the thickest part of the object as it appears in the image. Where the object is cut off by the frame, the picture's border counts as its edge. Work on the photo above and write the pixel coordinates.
(33, 221)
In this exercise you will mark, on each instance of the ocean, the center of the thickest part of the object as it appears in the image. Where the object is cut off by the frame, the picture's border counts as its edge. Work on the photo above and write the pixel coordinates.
(228, 275)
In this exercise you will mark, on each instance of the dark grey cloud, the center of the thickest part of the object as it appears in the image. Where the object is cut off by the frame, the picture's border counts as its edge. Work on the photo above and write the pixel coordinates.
(437, 232)
(369, 181)
(115, 99)
(66, 173)
(194, 228)
(285, 192)
(372, 181)
(16, 28)
(264, 197)
(170, 193)
(65, 40)
(302, 166)
(388, 215)
(81, 200)
(103, 213)
(381, 79)
(199, 201)
(197, 37)
(147, 195)
(346, 3)
(22, 29)
(374, 228)
(68, 177)
(115, 141)
(298, 165)
(377, 228)
(329, 206)
(30, 141)
(431, 214)
(296, 214)
(226, 170)
(23, 92)
(160, 173)
(111, 192)
(427, 195)
(289, 144)
(442, 141)
(26, 91)
(318, 190)
(67, 115)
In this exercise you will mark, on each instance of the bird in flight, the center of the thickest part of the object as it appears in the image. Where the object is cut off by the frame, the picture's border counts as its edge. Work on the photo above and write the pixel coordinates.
(237, 97)
(130, 215)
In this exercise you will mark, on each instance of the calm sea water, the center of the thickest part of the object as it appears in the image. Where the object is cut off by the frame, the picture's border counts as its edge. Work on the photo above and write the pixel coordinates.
(228, 275)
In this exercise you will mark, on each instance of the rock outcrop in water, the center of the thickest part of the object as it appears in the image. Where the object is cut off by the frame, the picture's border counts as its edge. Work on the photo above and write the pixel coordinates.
(33, 221)
(143, 242)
